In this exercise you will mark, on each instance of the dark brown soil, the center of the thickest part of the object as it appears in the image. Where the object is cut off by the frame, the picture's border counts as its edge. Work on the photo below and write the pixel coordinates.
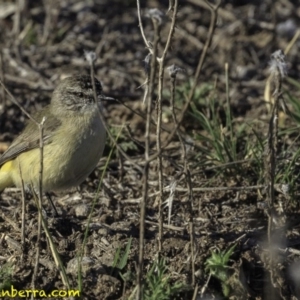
(50, 43)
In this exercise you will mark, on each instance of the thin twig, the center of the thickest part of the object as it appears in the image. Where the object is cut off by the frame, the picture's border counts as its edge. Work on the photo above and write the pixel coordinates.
(2, 78)
(191, 219)
(198, 189)
(23, 209)
(141, 26)
(159, 121)
(158, 143)
(204, 288)
(278, 70)
(150, 84)
(195, 292)
(196, 77)
(40, 196)
(17, 18)
(14, 101)
(173, 72)
(55, 254)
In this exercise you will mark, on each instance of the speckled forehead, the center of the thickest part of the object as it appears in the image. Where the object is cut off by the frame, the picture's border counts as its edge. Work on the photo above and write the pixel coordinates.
(85, 83)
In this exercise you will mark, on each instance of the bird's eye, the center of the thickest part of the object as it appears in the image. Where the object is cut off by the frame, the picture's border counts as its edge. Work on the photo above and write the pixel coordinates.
(80, 94)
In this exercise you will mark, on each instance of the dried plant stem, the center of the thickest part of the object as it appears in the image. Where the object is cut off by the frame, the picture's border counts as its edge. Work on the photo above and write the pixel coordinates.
(14, 101)
(270, 162)
(171, 32)
(150, 84)
(158, 142)
(52, 11)
(40, 196)
(20, 5)
(2, 78)
(292, 42)
(159, 119)
(23, 208)
(172, 108)
(55, 255)
(271, 150)
(195, 294)
(157, 155)
(191, 219)
(187, 174)
(141, 26)
(212, 27)
(270, 165)
(205, 286)
(228, 110)
(197, 189)
(41, 128)
(47, 23)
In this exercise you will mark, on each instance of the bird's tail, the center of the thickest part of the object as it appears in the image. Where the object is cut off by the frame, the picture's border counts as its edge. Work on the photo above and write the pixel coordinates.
(5, 176)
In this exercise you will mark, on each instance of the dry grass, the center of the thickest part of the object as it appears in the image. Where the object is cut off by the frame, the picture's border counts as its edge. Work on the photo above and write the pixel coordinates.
(200, 180)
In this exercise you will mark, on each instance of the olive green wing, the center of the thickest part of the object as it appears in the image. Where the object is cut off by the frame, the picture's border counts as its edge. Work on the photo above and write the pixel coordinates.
(30, 137)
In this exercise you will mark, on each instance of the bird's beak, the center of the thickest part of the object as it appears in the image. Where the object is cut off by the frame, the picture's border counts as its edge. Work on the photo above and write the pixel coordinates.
(105, 98)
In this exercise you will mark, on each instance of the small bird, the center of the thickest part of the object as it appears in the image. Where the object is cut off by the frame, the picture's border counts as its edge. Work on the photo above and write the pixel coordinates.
(74, 139)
